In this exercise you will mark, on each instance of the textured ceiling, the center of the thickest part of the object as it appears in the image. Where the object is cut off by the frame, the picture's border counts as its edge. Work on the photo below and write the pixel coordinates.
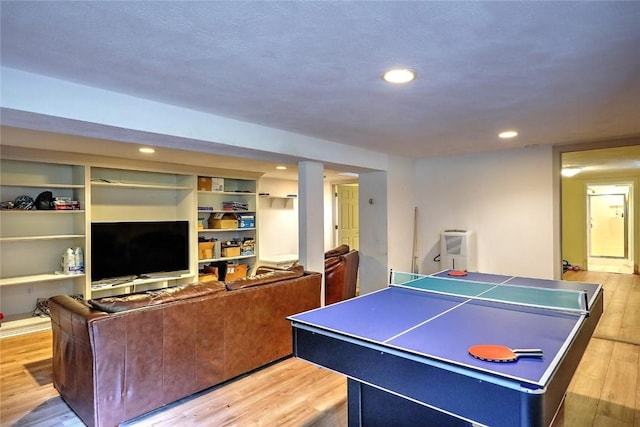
(558, 72)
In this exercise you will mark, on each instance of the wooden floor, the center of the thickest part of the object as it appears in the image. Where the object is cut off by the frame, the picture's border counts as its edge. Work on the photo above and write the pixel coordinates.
(604, 392)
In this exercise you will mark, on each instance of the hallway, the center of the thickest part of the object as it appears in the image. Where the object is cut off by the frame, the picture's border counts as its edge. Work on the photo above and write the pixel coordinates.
(610, 265)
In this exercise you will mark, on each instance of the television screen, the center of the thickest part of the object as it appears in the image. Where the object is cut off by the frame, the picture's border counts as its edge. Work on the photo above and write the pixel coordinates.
(124, 249)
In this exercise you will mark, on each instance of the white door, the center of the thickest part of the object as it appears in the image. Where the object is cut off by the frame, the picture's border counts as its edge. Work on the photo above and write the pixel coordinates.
(347, 226)
(608, 225)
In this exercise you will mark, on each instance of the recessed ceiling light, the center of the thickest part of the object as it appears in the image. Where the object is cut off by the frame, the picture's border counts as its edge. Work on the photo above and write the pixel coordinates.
(281, 168)
(508, 134)
(147, 150)
(399, 75)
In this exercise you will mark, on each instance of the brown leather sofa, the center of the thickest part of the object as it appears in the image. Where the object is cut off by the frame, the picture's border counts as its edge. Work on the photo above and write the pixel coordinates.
(116, 358)
(340, 274)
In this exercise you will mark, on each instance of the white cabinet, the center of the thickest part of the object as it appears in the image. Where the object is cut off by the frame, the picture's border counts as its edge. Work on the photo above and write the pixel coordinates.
(32, 241)
(218, 196)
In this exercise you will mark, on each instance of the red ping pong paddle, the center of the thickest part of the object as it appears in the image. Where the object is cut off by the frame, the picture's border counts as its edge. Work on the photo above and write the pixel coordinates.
(500, 353)
(457, 273)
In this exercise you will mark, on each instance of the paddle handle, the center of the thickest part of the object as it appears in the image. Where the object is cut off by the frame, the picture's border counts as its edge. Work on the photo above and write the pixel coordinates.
(528, 352)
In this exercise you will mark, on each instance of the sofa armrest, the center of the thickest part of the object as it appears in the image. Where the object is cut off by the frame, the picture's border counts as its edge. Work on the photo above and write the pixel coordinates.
(341, 275)
(340, 250)
(73, 370)
(61, 303)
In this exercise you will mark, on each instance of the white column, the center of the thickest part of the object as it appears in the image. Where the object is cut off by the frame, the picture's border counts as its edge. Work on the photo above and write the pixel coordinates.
(311, 217)
(374, 231)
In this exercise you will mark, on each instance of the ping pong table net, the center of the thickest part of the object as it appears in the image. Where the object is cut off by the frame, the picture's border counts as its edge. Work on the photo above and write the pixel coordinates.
(530, 296)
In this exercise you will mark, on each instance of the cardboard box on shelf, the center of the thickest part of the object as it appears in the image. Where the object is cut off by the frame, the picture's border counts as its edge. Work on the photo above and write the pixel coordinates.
(230, 251)
(223, 220)
(204, 183)
(205, 250)
(236, 271)
(247, 221)
(207, 277)
(217, 184)
(208, 274)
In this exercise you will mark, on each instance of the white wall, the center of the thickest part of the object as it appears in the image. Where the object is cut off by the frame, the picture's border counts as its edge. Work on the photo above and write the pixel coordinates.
(278, 231)
(401, 207)
(278, 218)
(506, 197)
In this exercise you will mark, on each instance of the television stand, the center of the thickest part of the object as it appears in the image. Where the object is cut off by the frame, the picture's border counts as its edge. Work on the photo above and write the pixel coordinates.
(140, 280)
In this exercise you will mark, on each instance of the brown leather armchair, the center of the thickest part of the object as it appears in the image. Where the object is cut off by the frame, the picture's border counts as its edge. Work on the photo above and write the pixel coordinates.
(340, 274)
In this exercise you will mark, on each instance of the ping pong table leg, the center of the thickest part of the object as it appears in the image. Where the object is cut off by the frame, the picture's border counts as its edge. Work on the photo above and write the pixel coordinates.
(354, 403)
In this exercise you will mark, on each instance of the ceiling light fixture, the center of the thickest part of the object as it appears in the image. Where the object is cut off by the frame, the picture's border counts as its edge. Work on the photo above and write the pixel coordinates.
(569, 172)
(508, 134)
(399, 75)
(281, 168)
(147, 150)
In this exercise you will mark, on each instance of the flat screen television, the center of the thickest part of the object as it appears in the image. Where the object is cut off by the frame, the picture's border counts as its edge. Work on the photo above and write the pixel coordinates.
(138, 249)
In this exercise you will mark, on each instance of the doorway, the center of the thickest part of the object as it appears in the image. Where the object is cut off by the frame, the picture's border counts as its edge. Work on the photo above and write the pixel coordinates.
(609, 234)
(347, 226)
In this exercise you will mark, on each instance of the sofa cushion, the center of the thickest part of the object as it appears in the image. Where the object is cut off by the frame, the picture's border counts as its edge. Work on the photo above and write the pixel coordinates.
(120, 303)
(265, 278)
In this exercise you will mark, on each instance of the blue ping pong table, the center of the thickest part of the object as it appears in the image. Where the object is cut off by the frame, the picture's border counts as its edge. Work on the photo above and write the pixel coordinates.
(404, 349)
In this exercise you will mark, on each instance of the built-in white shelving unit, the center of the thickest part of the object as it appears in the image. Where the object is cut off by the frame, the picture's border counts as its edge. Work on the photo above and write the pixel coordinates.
(32, 241)
(236, 192)
(139, 195)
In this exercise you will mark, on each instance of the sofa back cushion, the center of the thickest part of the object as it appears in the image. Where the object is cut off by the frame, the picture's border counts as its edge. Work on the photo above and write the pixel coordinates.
(120, 303)
(265, 278)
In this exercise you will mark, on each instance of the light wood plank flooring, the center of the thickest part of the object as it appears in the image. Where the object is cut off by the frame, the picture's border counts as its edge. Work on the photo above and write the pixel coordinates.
(604, 392)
